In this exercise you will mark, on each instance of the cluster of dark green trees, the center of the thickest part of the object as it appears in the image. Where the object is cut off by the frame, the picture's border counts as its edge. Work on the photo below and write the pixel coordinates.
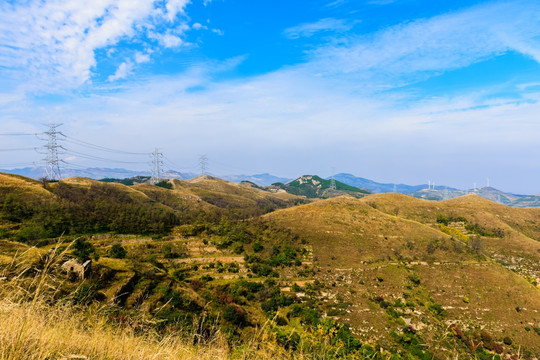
(78, 210)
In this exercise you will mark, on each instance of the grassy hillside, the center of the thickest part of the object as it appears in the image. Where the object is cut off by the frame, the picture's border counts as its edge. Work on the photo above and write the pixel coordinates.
(389, 260)
(241, 272)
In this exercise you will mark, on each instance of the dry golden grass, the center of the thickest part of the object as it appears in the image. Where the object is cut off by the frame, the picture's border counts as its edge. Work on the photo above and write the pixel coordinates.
(37, 331)
(36, 327)
(40, 331)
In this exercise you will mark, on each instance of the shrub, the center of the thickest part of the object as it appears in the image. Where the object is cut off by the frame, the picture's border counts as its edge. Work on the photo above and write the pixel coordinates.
(290, 341)
(257, 246)
(117, 251)
(237, 247)
(165, 184)
(281, 321)
(437, 309)
(235, 315)
(441, 219)
(414, 278)
(206, 278)
(31, 233)
(487, 340)
(179, 275)
(82, 249)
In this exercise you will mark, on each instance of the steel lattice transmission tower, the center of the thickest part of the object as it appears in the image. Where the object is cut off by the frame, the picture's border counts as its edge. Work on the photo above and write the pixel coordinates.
(203, 164)
(333, 184)
(157, 163)
(333, 181)
(53, 149)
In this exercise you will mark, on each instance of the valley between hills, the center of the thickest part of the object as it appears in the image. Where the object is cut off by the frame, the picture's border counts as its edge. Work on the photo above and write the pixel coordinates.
(205, 268)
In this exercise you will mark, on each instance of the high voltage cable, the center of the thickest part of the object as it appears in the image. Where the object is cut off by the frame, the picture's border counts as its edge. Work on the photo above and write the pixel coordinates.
(101, 148)
(19, 149)
(18, 164)
(175, 165)
(19, 134)
(92, 157)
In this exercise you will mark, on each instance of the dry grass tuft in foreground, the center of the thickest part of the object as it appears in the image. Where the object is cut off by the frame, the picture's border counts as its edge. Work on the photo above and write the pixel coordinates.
(39, 332)
(35, 327)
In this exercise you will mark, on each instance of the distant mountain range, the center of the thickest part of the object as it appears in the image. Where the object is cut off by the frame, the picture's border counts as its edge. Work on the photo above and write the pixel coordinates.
(118, 173)
(307, 185)
(95, 173)
(424, 191)
(377, 187)
(489, 193)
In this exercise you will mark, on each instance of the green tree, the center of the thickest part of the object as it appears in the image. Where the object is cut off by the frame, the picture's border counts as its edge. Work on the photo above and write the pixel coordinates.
(82, 249)
(117, 251)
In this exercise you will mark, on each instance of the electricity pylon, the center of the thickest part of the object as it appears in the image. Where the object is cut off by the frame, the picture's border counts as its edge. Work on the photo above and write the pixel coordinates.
(157, 163)
(52, 150)
(203, 164)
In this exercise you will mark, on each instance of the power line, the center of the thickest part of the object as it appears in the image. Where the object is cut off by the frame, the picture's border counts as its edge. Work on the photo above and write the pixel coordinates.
(101, 148)
(18, 164)
(98, 158)
(20, 134)
(19, 149)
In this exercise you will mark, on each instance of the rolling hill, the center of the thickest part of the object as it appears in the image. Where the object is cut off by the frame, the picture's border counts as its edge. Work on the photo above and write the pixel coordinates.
(274, 274)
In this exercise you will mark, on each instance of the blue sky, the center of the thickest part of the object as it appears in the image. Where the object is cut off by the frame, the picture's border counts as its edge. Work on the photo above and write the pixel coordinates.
(392, 90)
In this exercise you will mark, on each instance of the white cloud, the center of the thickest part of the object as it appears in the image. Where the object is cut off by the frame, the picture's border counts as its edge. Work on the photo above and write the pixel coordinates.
(408, 52)
(323, 25)
(52, 44)
(141, 58)
(199, 26)
(122, 71)
(174, 7)
(218, 32)
(170, 41)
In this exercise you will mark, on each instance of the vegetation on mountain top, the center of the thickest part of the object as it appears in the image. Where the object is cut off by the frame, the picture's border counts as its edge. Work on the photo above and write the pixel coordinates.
(313, 186)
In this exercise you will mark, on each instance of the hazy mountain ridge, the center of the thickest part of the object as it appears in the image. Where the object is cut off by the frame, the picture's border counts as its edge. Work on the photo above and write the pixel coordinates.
(423, 191)
(488, 193)
(440, 192)
(97, 173)
(36, 173)
(377, 187)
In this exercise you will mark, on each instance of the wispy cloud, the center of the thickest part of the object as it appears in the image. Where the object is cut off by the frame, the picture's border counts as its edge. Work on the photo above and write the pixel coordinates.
(55, 41)
(122, 71)
(323, 25)
(411, 51)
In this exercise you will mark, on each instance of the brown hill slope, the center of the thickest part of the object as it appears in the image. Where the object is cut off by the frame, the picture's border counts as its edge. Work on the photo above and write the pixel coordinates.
(242, 197)
(509, 235)
(386, 261)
